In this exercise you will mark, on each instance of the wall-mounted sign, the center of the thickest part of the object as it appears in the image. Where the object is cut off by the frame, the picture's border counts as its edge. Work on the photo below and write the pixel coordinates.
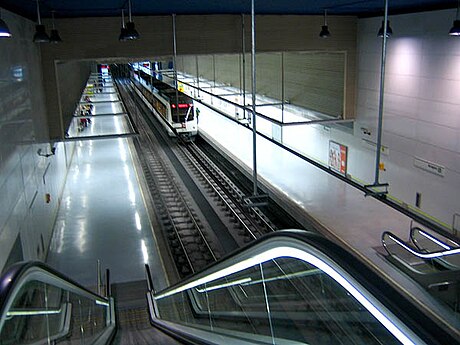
(338, 155)
(429, 166)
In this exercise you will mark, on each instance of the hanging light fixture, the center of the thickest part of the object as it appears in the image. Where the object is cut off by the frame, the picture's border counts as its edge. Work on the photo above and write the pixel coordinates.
(4, 30)
(54, 36)
(389, 30)
(324, 29)
(131, 32)
(40, 33)
(122, 36)
(455, 30)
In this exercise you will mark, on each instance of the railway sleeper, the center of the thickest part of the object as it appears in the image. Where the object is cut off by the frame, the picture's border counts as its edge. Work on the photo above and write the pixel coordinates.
(194, 248)
(199, 264)
(184, 226)
(190, 241)
(178, 252)
(182, 218)
(189, 233)
(178, 213)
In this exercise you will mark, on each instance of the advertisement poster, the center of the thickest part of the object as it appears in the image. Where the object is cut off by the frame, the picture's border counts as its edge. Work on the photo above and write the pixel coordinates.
(338, 157)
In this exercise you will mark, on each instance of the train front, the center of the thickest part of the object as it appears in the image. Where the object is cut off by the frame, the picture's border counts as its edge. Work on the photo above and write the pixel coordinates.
(184, 118)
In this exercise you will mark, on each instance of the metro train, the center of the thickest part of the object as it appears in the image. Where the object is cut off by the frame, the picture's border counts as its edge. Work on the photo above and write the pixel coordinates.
(176, 115)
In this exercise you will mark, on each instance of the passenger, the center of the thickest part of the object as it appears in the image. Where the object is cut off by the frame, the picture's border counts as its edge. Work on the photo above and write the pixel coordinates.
(81, 125)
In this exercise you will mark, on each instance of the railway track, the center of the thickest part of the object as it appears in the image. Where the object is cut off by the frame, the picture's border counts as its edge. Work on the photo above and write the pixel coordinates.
(245, 223)
(191, 241)
(189, 245)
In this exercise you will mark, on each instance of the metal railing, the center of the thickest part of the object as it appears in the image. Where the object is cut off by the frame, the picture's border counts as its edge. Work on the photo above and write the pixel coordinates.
(39, 305)
(420, 254)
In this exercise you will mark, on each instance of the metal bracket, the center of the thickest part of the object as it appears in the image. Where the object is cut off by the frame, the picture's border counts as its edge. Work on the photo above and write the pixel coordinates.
(256, 200)
(377, 189)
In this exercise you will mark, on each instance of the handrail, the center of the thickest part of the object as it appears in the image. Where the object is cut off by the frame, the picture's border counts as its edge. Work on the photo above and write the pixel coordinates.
(12, 277)
(430, 237)
(55, 296)
(426, 256)
(384, 301)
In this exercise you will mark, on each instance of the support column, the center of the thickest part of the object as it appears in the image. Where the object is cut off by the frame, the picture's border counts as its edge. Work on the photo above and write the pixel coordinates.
(253, 78)
(175, 67)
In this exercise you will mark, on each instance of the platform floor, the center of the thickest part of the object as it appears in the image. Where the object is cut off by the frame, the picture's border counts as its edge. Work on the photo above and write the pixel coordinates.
(102, 214)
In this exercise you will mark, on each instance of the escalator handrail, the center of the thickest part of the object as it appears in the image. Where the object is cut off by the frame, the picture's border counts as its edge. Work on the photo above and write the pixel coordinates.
(421, 255)
(416, 317)
(432, 238)
(12, 278)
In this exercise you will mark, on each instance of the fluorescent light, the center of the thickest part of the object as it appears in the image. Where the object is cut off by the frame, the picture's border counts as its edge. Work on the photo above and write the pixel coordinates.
(4, 30)
(32, 312)
(220, 286)
(105, 304)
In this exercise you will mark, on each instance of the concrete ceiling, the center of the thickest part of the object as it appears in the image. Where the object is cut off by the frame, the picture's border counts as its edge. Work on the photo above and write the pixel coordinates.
(111, 8)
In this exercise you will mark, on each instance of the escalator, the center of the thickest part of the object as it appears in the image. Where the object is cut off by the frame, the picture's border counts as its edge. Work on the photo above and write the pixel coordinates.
(431, 259)
(289, 287)
(293, 287)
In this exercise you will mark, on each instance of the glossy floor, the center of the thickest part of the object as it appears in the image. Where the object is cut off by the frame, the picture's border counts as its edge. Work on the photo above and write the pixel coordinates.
(102, 215)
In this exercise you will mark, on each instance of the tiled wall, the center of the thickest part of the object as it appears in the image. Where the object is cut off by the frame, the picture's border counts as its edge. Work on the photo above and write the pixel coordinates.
(25, 176)
(421, 109)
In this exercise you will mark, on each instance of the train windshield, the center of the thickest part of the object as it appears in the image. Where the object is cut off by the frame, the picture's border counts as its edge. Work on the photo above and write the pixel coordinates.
(182, 112)
(181, 106)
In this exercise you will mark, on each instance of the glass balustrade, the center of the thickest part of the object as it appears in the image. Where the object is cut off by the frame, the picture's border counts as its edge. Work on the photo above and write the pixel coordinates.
(40, 307)
(283, 292)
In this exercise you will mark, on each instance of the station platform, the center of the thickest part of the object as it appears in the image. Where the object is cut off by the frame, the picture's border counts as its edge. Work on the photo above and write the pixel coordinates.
(103, 214)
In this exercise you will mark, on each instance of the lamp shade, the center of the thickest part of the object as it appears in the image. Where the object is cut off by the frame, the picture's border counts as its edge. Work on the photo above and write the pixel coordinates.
(131, 32)
(455, 31)
(122, 36)
(324, 32)
(389, 30)
(54, 36)
(4, 30)
(40, 34)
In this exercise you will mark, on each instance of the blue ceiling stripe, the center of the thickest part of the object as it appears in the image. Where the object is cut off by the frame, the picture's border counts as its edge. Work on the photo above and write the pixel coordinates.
(104, 8)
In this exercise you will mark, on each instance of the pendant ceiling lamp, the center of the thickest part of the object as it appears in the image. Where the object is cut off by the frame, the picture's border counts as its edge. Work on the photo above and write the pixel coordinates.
(324, 29)
(389, 30)
(455, 30)
(122, 36)
(40, 33)
(54, 36)
(131, 32)
(4, 30)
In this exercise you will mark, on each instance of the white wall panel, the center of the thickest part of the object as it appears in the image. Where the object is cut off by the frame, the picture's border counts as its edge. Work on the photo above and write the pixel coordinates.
(439, 112)
(23, 125)
(421, 109)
